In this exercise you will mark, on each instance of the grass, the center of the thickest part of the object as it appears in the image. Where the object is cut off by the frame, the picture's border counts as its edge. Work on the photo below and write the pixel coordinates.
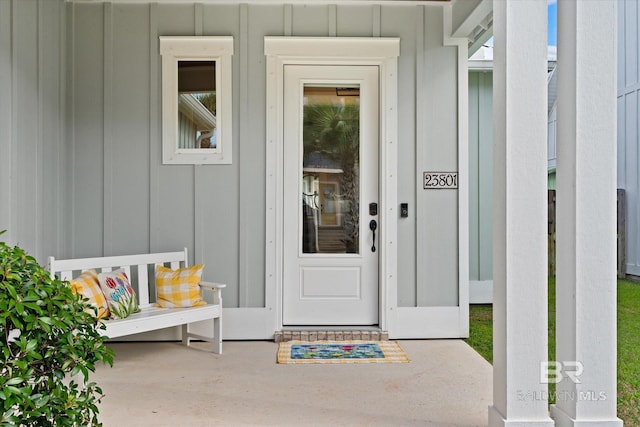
(629, 352)
(481, 339)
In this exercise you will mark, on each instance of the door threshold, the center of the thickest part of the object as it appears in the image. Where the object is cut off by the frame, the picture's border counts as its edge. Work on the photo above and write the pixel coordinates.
(331, 328)
(331, 333)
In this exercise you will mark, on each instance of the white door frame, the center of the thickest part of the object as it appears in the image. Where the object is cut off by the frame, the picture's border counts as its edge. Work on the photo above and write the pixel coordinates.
(381, 52)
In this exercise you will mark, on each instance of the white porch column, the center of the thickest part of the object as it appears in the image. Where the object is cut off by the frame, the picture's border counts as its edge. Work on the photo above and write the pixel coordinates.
(520, 213)
(586, 214)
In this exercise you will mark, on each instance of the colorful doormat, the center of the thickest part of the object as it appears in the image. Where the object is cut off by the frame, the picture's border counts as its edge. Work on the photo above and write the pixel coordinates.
(341, 352)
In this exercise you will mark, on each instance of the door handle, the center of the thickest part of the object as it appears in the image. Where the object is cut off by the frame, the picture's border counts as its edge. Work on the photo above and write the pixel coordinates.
(373, 225)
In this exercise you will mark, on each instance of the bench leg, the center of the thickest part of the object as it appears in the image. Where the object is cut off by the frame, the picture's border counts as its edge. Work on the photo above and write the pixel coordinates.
(217, 335)
(185, 334)
(216, 339)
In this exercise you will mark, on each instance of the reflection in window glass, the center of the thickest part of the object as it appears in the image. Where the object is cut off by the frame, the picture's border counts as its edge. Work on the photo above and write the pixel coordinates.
(330, 170)
(197, 104)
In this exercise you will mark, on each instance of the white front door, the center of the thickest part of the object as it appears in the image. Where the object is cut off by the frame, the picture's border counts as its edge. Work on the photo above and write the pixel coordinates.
(331, 121)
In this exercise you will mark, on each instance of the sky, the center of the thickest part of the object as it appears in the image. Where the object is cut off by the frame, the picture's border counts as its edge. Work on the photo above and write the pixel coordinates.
(553, 23)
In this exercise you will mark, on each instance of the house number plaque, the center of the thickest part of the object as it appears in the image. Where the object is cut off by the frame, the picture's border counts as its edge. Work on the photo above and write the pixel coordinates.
(440, 180)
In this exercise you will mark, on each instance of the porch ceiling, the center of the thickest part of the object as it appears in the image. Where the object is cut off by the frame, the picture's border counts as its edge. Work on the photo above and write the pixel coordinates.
(471, 19)
(395, 2)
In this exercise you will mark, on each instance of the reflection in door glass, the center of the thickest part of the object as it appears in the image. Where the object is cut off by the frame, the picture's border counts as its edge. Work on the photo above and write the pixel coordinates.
(330, 169)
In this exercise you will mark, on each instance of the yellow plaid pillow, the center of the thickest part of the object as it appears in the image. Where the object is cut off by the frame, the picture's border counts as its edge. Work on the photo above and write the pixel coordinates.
(87, 284)
(179, 288)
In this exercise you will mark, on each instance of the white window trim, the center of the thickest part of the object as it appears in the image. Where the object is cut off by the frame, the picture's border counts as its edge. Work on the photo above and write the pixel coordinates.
(188, 48)
(381, 52)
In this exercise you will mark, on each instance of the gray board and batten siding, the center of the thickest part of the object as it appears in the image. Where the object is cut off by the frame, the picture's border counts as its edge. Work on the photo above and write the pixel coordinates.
(80, 136)
(629, 126)
(35, 157)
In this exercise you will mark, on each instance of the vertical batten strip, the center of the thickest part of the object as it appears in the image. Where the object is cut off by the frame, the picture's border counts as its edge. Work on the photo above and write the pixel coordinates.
(40, 132)
(377, 21)
(14, 123)
(154, 135)
(72, 125)
(61, 187)
(244, 152)
(288, 20)
(107, 135)
(6, 121)
(333, 20)
(198, 16)
(199, 178)
(200, 192)
(421, 239)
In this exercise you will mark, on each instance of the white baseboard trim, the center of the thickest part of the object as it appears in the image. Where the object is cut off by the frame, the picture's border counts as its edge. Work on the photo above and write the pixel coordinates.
(248, 323)
(480, 291)
(237, 324)
(429, 322)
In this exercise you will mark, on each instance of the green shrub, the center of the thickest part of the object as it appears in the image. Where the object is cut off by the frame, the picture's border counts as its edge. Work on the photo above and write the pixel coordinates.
(50, 342)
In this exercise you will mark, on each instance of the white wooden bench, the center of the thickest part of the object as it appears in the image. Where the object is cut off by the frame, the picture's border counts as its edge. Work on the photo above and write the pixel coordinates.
(149, 318)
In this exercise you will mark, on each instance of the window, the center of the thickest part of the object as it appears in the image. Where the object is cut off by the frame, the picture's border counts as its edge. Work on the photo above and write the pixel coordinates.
(196, 100)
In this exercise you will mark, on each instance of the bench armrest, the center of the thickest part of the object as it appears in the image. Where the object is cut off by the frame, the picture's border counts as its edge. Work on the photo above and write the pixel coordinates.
(212, 285)
(216, 288)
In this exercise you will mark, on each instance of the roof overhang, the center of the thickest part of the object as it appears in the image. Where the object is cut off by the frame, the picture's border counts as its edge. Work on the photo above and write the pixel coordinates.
(473, 20)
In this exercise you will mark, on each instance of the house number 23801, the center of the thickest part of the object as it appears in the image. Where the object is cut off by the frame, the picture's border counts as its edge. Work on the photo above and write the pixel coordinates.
(437, 180)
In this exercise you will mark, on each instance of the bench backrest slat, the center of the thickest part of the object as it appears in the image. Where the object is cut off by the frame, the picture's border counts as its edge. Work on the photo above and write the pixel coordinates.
(66, 275)
(143, 282)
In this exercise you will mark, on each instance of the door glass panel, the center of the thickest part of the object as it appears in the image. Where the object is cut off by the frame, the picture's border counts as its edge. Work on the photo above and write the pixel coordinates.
(331, 169)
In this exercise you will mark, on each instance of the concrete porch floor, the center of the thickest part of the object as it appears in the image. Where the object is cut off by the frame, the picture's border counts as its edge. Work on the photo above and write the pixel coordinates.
(166, 384)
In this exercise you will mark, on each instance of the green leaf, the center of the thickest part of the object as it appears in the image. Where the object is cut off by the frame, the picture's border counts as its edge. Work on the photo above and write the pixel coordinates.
(33, 306)
(31, 345)
(14, 381)
(16, 321)
(11, 289)
(12, 390)
(41, 401)
(46, 320)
